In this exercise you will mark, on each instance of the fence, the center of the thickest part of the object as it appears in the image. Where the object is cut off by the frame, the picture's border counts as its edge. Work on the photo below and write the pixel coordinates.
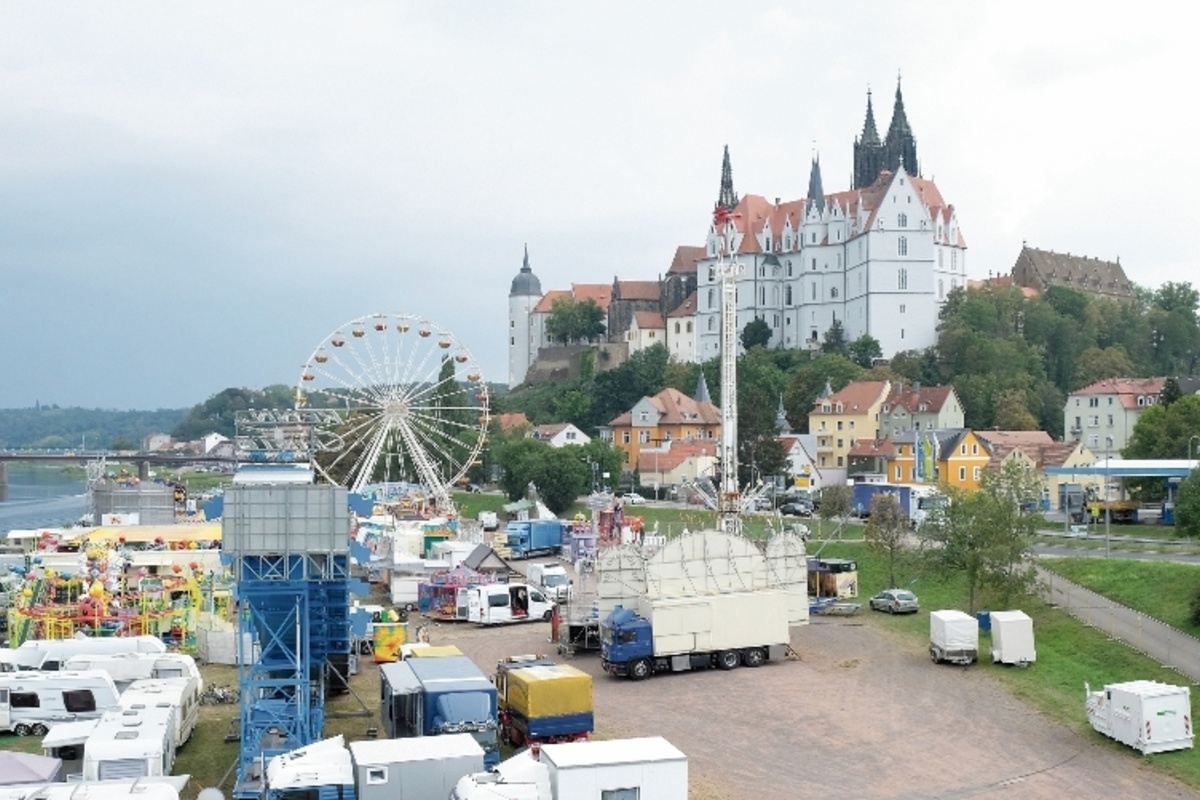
(1173, 648)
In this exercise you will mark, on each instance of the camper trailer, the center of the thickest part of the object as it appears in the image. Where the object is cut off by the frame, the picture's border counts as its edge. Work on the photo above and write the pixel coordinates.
(125, 668)
(30, 702)
(66, 741)
(131, 743)
(48, 654)
(502, 603)
(180, 694)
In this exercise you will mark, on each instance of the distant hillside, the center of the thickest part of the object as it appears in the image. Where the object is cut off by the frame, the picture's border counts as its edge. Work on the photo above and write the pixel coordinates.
(54, 427)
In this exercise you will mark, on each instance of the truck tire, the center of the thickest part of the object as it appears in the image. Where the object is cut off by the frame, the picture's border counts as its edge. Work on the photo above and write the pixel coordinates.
(40, 729)
(640, 670)
(754, 657)
(729, 659)
(549, 615)
(21, 729)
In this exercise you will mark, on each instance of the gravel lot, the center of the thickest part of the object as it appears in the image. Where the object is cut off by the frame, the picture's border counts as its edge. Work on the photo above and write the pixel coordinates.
(862, 714)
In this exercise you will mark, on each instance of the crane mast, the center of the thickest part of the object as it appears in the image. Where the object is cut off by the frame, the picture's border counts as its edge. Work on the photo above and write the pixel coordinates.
(729, 502)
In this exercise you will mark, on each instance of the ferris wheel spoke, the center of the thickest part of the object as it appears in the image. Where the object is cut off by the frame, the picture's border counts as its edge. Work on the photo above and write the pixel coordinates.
(353, 389)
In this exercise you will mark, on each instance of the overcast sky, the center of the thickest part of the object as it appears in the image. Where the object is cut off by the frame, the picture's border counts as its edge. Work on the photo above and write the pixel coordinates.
(194, 196)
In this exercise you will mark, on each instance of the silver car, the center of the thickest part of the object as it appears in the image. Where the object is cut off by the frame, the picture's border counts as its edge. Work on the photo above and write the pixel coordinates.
(896, 601)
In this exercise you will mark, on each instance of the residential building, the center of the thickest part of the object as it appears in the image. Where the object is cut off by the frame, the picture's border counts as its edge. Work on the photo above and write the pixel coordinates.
(559, 434)
(1103, 415)
(511, 421)
(157, 442)
(1041, 269)
(681, 330)
(646, 330)
(668, 416)
(914, 408)
(841, 419)
(801, 450)
(1038, 456)
(676, 462)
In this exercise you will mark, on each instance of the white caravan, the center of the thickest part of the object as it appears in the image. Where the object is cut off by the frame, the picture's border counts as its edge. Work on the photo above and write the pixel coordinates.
(48, 654)
(125, 668)
(30, 702)
(502, 603)
(180, 694)
(131, 743)
(159, 789)
(65, 741)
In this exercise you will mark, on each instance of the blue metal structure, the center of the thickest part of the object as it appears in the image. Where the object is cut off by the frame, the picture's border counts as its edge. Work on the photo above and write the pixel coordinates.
(293, 596)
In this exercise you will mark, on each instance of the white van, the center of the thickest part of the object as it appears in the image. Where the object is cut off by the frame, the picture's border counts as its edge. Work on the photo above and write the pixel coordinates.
(125, 668)
(48, 654)
(180, 694)
(131, 743)
(502, 603)
(30, 702)
(550, 578)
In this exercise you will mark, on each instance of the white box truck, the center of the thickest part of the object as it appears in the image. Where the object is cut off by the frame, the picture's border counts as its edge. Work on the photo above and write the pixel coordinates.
(953, 637)
(1012, 638)
(649, 768)
(682, 633)
(1148, 716)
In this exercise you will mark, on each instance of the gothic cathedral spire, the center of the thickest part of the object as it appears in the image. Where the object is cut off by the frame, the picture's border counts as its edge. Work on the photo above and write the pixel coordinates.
(816, 194)
(868, 151)
(727, 199)
(900, 145)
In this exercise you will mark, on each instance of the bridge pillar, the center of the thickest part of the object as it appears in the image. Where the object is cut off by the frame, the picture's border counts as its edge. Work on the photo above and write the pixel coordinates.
(143, 471)
(3, 481)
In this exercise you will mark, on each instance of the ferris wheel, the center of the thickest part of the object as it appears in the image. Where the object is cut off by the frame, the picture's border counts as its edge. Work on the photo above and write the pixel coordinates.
(412, 405)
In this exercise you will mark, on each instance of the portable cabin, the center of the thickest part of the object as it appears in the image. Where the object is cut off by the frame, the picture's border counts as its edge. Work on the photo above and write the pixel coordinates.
(413, 769)
(66, 742)
(1012, 638)
(125, 668)
(131, 743)
(30, 702)
(1149, 716)
(180, 694)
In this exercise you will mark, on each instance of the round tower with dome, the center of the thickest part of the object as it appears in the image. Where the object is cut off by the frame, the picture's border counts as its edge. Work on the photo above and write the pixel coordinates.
(524, 295)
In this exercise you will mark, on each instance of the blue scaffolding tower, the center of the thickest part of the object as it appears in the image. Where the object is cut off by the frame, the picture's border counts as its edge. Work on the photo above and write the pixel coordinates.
(289, 546)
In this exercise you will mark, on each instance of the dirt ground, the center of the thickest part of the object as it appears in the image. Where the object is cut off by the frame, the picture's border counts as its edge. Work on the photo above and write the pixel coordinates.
(862, 714)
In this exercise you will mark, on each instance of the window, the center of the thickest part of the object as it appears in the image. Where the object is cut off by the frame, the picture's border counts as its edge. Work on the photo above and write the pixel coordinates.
(676, 327)
(787, 296)
(814, 294)
(840, 464)
(79, 700)
(962, 473)
(625, 437)
(833, 292)
(644, 437)
(814, 263)
(962, 449)
(512, 340)
(376, 775)
(839, 424)
(953, 259)
(899, 473)
(689, 326)
(712, 299)
(941, 290)
(902, 220)
(498, 600)
(762, 295)
(1110, 420)
(975, 450)
(620, 794)
(977, 473)
(25, 700)
(1093, 402)
(902, 279)
(841, 443)
(902, 308)
(712, 324)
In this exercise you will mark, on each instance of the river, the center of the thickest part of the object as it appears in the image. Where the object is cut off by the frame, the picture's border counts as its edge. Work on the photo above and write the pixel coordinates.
(42, 497)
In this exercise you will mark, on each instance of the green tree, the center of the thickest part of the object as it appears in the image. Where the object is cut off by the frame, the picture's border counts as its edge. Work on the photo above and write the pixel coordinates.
(560, 477)
(121, 443)
(573, 321)
(984, 536)
(835, 339)
(886, 531)
(1164, 431)
(519, 461)
(864, 350)
(757, 333)
(1095, 364)
(1187, 506)
(1010, 412)
(836, 500)
(1170, 392)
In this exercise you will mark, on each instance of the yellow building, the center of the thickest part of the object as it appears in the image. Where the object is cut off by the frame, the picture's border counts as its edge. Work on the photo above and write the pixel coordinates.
(668, 416)
(840, 419)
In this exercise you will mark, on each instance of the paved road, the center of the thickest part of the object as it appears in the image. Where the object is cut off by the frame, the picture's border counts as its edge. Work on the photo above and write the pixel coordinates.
(1094, 552)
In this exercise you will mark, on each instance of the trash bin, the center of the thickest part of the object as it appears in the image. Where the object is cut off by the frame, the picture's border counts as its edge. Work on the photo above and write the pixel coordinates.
(985, 620)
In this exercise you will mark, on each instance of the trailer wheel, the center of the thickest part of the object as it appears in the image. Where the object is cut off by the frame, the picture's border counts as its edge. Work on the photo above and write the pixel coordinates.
(754, 657)
(639, 670)
(40, 729)
(549, 615)
(729, 659)
(21, 729)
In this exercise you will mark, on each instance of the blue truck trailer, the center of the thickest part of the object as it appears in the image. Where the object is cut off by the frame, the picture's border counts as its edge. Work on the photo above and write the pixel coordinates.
(864, 493)
(434, 696)
(532, 537)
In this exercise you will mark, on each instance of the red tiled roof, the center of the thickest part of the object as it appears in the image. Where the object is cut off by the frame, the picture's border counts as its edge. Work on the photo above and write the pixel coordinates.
(509, 421)
(679, 451)
(856, 398)
(686, 257)
(647, 320)
(685, 309)
(638, 290)
(676, 408)
(873, 448)
(1014, 438)
(1127, 389)
(600, 292)
(545, 305)
(907, 396)
(550, 430)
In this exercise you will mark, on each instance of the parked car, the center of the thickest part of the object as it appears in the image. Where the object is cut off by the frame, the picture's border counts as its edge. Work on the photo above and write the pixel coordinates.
(632, 499)
(474, 488)
(896, 601)
(799, 508)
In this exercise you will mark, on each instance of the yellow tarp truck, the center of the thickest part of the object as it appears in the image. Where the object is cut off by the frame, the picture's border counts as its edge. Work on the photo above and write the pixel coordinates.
(544, 702)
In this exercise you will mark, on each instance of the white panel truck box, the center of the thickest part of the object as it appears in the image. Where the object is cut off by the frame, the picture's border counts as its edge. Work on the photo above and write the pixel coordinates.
(1148, 716)
(683, 633)
(649, 768)
(413, 769)
(953, 637)
(1012, 638)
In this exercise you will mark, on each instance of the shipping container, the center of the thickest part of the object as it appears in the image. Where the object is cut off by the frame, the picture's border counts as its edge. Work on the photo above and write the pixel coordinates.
(413, 769)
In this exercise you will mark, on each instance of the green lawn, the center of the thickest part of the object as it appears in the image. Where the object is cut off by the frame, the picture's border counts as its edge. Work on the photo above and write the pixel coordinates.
(1160, 590)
